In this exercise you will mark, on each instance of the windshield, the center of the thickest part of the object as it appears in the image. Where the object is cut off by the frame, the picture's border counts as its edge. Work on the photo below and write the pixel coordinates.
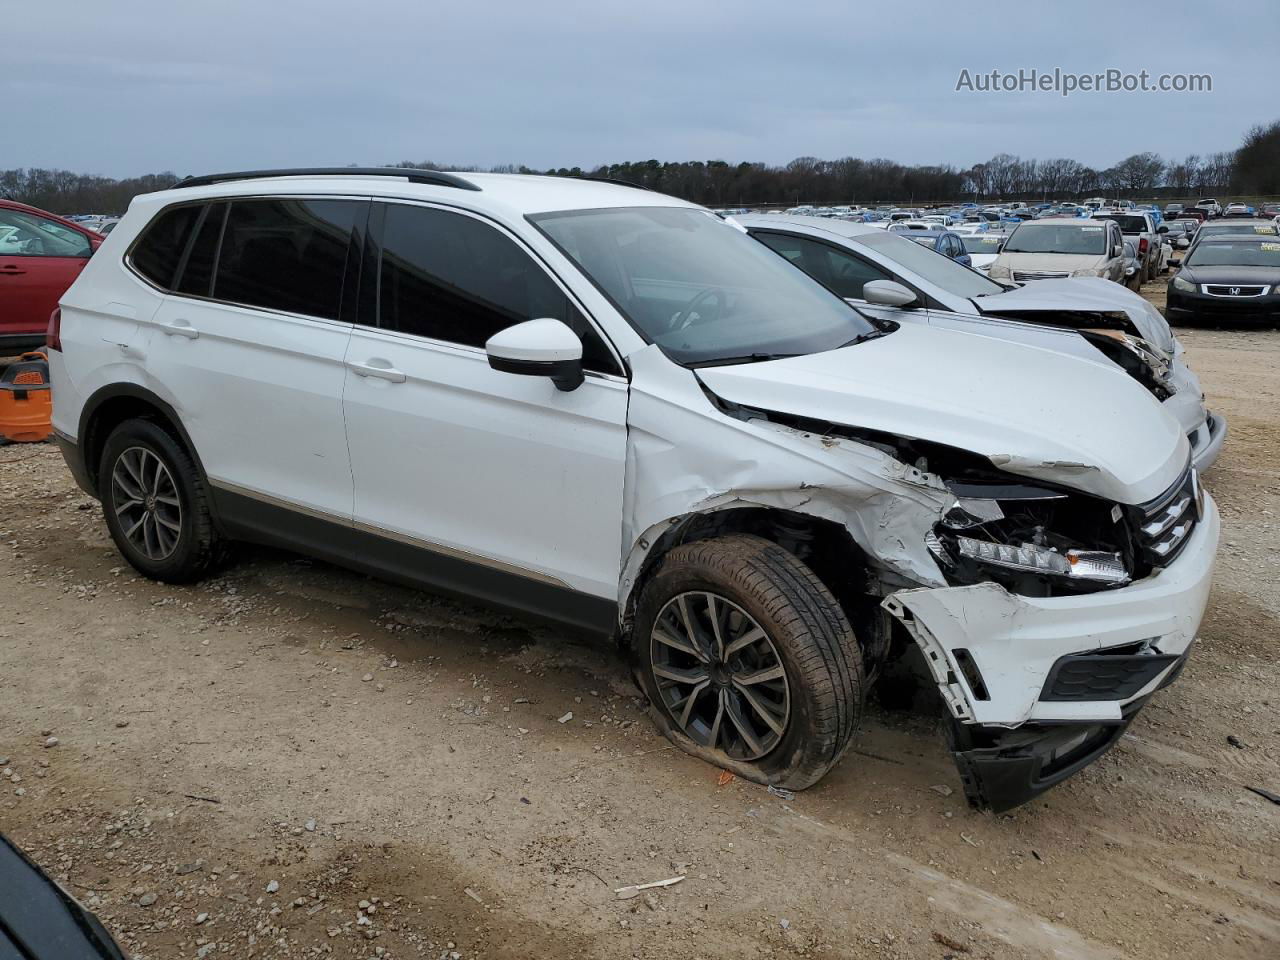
(1057, 238)
(1268, 229)
(982, 243)
(930, 266)
(1128, 224)
(1225, 253)
(699, 288)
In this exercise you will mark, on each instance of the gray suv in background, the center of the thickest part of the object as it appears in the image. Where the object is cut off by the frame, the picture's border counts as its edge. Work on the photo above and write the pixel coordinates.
(1146, 236)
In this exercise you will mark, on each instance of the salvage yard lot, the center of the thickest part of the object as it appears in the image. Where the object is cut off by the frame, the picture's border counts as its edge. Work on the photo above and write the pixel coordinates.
(273, 747)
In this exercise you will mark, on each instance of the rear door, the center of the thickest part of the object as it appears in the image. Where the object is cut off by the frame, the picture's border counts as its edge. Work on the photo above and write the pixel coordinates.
(39, 258)
(250, 347)
(505, 477)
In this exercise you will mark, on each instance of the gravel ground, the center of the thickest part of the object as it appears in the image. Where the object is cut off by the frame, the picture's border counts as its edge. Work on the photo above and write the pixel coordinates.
(292, 761)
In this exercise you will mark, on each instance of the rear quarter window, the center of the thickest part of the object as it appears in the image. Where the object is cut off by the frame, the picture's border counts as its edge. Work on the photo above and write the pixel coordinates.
(159, 248)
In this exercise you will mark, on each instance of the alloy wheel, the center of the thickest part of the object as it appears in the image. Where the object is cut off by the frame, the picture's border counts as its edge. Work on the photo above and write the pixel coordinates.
(145, 500)
(719, 675)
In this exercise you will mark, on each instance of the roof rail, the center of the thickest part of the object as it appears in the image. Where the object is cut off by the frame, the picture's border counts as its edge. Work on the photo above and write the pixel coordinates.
(615, 180)
(412, 174)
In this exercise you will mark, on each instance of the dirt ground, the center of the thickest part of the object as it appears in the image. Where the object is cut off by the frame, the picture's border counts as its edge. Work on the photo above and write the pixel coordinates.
(241, 766)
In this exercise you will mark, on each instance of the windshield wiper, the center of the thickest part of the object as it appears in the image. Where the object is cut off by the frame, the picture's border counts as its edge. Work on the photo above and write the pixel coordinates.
(745, 358)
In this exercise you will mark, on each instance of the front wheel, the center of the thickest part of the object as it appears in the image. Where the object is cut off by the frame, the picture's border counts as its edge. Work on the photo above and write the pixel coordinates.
(748, 661)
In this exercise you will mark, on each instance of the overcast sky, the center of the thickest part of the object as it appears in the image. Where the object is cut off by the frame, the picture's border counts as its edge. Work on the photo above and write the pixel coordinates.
(139, 86)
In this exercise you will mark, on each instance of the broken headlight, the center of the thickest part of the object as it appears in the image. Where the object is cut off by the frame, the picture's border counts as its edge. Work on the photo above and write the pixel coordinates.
(1136, 357)
(1035, 541)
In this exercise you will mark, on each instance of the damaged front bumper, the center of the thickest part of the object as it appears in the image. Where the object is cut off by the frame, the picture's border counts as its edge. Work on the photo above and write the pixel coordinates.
(1039, 687)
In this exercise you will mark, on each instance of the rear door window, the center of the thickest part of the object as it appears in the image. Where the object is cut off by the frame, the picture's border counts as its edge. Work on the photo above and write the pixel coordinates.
(288, 254)
(451, 277)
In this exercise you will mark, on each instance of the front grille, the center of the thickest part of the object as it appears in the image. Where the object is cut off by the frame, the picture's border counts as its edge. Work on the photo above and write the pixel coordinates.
(1039, 274)
(1164, 524)
(1229, 290)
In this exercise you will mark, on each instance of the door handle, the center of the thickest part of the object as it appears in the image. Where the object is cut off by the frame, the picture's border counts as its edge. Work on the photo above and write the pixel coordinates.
(11, 270)
(379, 369)
(180, 328)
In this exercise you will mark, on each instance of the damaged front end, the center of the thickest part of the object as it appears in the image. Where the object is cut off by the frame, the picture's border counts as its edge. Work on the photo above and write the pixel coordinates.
(1042, 670)
(1048, 605)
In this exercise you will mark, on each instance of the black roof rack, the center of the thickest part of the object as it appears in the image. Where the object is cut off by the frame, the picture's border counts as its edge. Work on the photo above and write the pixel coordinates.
(615, 180)
(412, 174)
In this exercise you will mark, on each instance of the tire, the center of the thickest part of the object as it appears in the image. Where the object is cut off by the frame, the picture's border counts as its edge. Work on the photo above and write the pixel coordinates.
(756, 587)
(168, 534)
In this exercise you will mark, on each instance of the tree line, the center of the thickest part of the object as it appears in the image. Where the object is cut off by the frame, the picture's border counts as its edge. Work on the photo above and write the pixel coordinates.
(1252, 170)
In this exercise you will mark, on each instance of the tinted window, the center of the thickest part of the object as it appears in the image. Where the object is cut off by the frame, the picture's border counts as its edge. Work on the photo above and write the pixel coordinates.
(24, 235)
(286, 254)
(840, 272)
(197, 274)
(451, 277)
(159, 250)
(1128, 223)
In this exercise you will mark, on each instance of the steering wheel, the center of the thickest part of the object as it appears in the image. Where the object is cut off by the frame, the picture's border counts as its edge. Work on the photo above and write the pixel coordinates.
(698, 306)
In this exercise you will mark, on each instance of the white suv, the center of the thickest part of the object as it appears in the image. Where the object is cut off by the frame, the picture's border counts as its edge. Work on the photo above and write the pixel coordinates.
(604, 406)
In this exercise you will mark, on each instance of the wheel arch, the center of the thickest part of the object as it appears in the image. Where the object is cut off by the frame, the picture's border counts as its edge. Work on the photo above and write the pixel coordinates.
(825, 546)
(115, 403)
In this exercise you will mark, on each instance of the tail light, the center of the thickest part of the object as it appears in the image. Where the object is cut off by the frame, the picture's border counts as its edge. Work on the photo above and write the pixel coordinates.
(53, 336)
(1142, 246)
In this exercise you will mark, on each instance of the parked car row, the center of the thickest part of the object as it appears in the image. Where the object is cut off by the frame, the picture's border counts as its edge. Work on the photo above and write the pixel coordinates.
(774, 456)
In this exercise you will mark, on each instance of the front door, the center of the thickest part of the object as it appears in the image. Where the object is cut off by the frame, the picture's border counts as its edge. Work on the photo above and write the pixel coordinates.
(513, 485)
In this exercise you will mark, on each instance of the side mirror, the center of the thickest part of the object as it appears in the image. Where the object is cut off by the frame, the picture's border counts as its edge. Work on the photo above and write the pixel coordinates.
(887, 293)
(1162, 229)
(1117, 251)
(538, 348)
(1175, 262)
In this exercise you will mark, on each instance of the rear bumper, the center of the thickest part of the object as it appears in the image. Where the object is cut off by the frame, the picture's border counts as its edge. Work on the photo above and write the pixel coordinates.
(71, 453)
(12, 344)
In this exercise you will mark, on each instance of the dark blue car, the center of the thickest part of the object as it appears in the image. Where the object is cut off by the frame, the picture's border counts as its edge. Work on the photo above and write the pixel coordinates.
(942, 241)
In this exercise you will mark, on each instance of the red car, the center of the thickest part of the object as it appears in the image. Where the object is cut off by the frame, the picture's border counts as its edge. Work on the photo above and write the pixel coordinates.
(40, 254)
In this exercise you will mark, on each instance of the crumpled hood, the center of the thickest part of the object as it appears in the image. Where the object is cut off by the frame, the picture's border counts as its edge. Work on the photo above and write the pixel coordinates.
(1032, 411)
(1083, 293)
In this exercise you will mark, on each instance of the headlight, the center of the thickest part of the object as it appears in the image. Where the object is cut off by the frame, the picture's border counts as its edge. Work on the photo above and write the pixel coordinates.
(1087, 564)
(1087, 272)
(1033, 540)
(998, 270)
(1184, 285)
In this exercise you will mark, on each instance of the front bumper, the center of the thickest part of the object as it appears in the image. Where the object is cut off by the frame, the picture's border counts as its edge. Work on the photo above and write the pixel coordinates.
(1003, 769)
(997, 659)
(1190, 308)
(1206, 441)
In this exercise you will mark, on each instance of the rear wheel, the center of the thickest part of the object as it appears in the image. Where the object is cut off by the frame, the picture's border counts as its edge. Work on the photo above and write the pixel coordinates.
(156, 504)
(748, 660)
